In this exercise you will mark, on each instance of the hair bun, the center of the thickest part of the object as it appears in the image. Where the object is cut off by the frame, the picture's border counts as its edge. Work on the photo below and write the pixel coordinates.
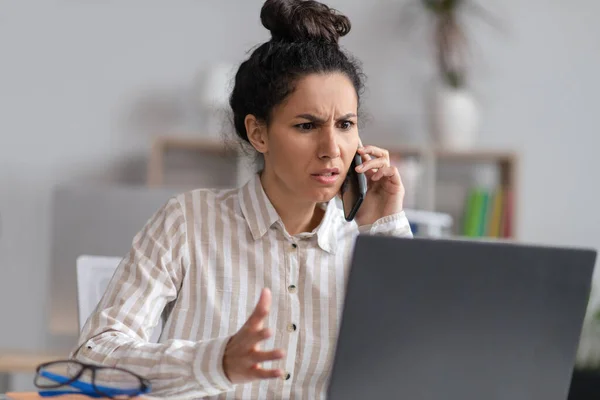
(303, 20)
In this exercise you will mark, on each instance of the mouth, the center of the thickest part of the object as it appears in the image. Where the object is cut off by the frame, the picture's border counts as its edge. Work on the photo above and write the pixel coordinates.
(327, 176)
(327, 172)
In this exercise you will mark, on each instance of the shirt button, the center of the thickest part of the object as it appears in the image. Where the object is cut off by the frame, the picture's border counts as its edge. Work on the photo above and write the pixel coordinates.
(292, 327)
(292, 288)
(294, 245)
(287, 376)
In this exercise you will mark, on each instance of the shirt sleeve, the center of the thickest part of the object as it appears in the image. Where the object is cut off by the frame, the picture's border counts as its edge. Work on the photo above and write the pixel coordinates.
(148, 279)
(391, 225)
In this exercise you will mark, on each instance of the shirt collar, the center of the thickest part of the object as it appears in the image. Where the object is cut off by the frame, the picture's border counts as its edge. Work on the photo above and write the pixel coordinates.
(260, 214)
(326, 231)
(257, 208)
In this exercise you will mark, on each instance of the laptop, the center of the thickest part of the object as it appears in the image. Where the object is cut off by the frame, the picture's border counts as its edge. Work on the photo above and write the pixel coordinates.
(459, 320)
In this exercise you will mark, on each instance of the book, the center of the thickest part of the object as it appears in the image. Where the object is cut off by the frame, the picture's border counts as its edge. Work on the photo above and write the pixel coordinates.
(488, 213)
(507, 229)
(483, 221)
(476, 213)
(496, 213)
(468, 212)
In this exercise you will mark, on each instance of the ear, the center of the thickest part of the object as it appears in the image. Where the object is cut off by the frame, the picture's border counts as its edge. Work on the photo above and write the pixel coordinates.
(257, 133)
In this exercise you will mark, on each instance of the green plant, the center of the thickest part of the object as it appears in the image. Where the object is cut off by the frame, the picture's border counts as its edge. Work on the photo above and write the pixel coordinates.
(450, 38)
(588, 352)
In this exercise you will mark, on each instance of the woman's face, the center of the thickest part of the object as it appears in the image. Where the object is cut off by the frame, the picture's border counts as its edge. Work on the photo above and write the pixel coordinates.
(313, 136)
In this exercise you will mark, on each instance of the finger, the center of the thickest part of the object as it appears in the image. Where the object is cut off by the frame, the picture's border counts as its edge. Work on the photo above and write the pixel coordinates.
(390, 172)
(360, 143)
(372, 164)
(374, 151)
(385, 171)
(260, 373)
(364, 157)
(250, 340)
(255, 321)
(263, 356)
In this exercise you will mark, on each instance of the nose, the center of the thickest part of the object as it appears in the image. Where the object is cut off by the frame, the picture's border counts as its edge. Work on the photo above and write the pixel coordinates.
(328, 145)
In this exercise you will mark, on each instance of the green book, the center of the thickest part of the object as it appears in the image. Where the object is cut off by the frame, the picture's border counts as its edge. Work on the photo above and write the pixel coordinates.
(483, 213)
(468, 212)
(475, 213)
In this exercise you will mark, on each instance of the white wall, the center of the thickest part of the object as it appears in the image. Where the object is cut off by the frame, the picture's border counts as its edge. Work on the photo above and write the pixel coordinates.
(74, 75)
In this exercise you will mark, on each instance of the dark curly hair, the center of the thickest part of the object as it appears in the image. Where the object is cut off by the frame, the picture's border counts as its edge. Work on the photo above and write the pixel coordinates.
(304, 41)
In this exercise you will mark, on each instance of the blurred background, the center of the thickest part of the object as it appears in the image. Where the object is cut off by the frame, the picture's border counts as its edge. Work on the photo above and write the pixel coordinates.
(107, 108)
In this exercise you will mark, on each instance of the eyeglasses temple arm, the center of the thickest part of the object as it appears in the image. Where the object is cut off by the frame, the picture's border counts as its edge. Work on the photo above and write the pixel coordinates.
(52, 393)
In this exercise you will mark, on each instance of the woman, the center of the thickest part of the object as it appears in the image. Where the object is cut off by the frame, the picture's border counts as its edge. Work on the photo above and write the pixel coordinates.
(249, 283)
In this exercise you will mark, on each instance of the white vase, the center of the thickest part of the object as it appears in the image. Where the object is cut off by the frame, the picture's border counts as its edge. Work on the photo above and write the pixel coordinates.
(455, 118)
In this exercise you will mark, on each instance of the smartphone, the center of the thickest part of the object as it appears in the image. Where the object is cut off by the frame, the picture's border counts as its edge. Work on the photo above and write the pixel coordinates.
(354, 189)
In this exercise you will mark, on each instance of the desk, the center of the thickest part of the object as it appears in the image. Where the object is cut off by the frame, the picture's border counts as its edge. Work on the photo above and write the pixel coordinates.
(12, 362)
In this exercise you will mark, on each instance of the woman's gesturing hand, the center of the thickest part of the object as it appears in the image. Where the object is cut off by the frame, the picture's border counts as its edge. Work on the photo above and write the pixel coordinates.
(243, 355)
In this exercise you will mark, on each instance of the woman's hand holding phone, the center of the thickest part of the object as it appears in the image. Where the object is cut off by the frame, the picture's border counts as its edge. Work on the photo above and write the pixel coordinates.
(385, 192)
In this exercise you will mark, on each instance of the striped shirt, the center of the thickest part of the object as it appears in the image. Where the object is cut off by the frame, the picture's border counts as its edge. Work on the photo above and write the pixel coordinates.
(198, 266)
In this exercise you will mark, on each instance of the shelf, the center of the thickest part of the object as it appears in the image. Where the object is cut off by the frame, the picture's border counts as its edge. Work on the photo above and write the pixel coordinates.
(164, 144)
(192, 143)
(217, 146)
(431, 158)
(476, 155)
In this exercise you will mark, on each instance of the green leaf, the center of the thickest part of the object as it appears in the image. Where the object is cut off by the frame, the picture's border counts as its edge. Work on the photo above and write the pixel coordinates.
(454, 79)
(441, 7)
(597, 315)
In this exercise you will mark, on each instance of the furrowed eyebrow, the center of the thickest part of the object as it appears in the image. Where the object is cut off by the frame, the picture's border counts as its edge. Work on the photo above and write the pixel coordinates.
(313, 118)
(347, 116)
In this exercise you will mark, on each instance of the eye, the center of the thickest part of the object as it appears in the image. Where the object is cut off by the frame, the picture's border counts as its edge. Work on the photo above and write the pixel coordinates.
(346, 125)
(306, 126)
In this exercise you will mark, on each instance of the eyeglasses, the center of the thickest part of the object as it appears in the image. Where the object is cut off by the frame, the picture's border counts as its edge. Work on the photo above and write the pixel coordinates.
(90, 380)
